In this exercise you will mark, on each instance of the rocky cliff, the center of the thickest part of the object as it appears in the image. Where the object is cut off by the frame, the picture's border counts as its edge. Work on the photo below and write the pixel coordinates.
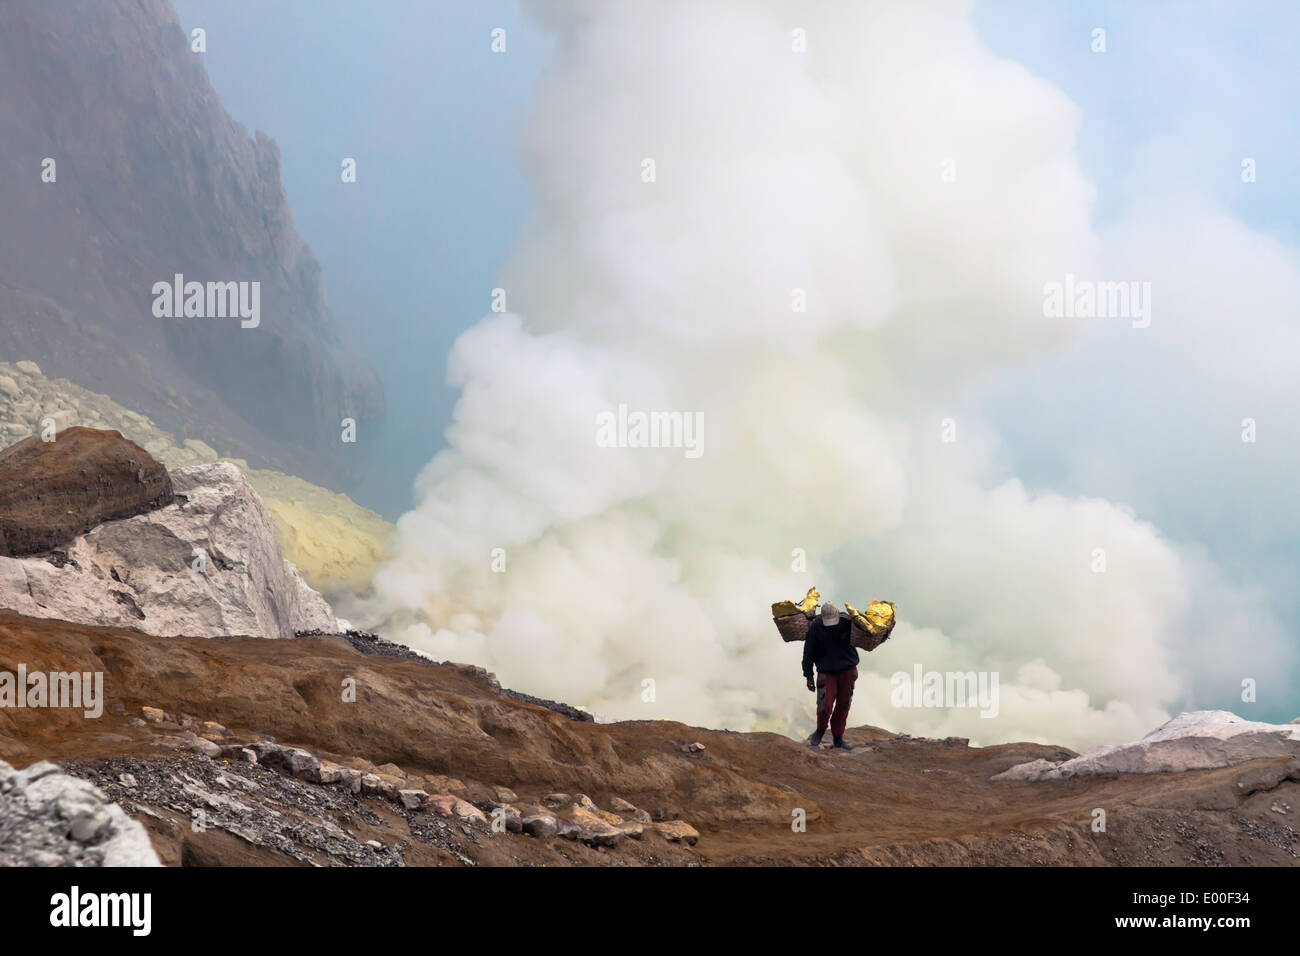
(120, 169)
(333, 541)
(208, 562)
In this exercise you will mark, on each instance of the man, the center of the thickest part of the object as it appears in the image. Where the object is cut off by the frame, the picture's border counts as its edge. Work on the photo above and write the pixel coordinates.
(829, 648)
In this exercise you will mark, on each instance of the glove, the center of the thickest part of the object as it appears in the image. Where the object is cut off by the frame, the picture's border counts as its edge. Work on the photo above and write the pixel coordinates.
(812, 685)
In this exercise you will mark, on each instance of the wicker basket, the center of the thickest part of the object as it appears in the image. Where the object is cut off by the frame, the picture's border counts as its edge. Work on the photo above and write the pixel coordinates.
(864, 639)
(869, 629)
(793, 627)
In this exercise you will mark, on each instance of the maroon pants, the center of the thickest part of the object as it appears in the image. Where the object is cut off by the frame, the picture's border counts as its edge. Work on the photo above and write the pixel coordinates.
(834, 696)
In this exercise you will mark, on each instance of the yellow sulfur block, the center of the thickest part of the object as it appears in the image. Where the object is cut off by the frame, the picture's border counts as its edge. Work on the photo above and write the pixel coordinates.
(786, 608)
(878, 617)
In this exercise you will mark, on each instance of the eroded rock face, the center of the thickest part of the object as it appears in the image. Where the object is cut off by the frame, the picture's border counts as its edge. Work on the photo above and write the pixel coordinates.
(51, 492)
(152, 179)
(209, 564)
(1197, 740)
(48, 818)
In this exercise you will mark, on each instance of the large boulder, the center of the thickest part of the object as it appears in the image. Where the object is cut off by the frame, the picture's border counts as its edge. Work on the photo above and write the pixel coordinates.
(51, 492)
(208, 564)
(1197, 740)
(48, 818)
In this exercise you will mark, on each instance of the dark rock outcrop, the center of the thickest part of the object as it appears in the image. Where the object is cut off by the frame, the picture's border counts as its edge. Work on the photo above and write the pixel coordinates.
(51, 492)
(152, 178)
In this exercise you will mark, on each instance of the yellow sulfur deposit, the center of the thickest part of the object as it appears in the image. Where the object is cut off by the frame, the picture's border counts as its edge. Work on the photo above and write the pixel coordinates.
(786, 608)
(335, 542)
(877, 619)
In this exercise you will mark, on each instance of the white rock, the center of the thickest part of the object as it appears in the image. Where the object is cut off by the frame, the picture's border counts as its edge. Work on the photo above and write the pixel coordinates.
(351, 779)
(1198, 740)
(52, 819)
(310, 612)
(247, 588)
(413, 799)
(468, 812)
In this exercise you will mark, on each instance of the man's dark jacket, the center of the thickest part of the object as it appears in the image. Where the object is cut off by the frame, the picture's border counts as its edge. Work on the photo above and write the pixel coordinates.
(829, 648)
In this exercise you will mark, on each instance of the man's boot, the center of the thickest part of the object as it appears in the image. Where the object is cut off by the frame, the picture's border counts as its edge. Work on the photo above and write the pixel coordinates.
(842, 744)
(815, 740)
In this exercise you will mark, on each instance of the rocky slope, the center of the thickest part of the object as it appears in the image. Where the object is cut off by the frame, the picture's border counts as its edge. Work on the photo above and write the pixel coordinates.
(333, 541)
(152, 178)
(418, 766)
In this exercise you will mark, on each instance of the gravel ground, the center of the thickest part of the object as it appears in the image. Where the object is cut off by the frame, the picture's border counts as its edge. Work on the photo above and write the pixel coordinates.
(258, 805)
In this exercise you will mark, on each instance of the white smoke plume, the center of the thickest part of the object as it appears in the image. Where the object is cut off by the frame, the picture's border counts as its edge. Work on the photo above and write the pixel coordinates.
(919, 192)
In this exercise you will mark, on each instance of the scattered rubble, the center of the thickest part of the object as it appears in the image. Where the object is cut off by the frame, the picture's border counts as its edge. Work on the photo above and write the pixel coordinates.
(243, 787)
(1282, 838)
